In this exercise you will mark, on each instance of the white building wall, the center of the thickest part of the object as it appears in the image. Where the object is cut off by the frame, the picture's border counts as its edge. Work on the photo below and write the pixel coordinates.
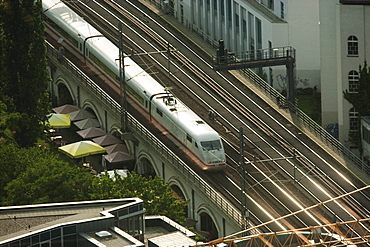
(330, 61)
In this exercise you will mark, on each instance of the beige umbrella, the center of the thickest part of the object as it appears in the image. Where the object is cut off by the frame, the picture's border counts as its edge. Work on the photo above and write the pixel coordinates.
(91, 132)
(116, 147)
(57, 121)
(64, 109)
(81, 149)
(81, 114)
(87, 123)
(118, 157)
(106, 140)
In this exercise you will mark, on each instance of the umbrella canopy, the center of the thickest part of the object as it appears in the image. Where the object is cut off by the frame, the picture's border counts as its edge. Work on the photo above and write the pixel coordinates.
(116, 147)
(64, 109)
(87, 123)
(112, 174)
(91, 132)
(118, 157)
(59, 120)
(107, 140)
(81, 114)
(81, 149)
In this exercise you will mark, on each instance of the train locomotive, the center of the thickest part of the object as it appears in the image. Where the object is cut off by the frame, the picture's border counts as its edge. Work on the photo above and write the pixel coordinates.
(195, 137)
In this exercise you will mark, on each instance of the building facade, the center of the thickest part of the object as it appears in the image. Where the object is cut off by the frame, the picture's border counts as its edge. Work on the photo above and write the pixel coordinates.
(345, 45)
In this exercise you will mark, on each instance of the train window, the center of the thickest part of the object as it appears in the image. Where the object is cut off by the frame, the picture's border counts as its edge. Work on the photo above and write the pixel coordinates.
(211, 145)
(146, 104)
(80, 47)
(196, 144)
(159, 112)
(189, 138)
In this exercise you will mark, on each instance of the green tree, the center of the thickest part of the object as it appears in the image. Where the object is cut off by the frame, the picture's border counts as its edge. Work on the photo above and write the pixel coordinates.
(360, 100)
(24, 78)
(157, 196)
(42, 177)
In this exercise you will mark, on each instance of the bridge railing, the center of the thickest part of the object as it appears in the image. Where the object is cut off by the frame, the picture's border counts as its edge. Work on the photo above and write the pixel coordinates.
(145, 136)
(281, 53)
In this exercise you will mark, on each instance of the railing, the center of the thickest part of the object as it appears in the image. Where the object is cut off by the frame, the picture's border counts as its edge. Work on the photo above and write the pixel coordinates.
(281, 53)
(306, 121)
(145, 136)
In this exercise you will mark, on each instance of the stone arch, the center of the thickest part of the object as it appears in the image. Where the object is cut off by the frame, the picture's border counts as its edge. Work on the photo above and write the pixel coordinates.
(64, 92)
(180, 191)
(175, 182)
(208, 226)
(89, 106)
(145, 164)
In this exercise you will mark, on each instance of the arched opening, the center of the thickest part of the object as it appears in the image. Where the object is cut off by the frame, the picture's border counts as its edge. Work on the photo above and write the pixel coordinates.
(64, 96)
(145, 168)
(208, 227)
(178, 193)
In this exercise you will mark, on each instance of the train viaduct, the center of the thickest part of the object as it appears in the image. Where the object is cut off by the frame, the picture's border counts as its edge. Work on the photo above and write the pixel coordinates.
(209, 210)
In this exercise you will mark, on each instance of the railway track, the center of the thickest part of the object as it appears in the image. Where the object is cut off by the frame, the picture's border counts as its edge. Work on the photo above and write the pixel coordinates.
(275, 187)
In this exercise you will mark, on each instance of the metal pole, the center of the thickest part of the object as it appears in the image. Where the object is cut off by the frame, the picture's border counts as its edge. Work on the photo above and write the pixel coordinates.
(243, 197)
(169, 59)
(122, 81)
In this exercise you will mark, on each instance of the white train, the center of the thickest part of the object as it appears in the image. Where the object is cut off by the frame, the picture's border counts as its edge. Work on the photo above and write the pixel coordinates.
(188, 131)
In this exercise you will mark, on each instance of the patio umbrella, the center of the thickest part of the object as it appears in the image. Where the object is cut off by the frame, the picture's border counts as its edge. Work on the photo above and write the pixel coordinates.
(64, 109)
(116, 147)
(81, 114)
(87, 123)
(91, 132)
(118, 156)
(81, 149)
(59, 120)
(106, 140)
(112, 174)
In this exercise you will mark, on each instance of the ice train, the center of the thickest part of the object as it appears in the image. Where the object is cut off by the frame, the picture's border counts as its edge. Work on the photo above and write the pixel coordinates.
(188, 131)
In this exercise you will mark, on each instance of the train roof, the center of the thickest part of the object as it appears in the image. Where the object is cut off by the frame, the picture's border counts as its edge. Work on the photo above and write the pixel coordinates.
(182, 116)
(62, 15)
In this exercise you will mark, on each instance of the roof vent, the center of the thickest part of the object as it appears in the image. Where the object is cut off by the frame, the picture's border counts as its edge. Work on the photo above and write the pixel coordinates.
(103, 234)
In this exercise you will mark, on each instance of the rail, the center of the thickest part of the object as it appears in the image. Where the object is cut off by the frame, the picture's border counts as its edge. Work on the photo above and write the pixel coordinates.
(144, 135)
(306, 121)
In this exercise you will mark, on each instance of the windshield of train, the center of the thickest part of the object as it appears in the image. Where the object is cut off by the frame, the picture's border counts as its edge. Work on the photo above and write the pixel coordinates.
(211, 145)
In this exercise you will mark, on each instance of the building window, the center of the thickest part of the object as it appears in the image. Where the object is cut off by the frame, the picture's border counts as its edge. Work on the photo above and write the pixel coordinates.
(352, 46)
(353, 81)
(270, 4)
(353, 120)
(282, 14)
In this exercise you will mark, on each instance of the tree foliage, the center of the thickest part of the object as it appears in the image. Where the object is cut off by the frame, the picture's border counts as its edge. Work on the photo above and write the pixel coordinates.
(24, 78)
(40, 176)
(157, 196)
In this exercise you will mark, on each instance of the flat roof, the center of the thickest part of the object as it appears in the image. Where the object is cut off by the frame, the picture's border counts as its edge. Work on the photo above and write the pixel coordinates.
(19, 220)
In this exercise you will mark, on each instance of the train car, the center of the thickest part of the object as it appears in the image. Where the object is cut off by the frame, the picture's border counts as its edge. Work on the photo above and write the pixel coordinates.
(184, 128)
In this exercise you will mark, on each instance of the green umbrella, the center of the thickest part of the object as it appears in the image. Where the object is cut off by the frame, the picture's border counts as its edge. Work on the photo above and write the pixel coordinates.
(59, 120)
(81, 149)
